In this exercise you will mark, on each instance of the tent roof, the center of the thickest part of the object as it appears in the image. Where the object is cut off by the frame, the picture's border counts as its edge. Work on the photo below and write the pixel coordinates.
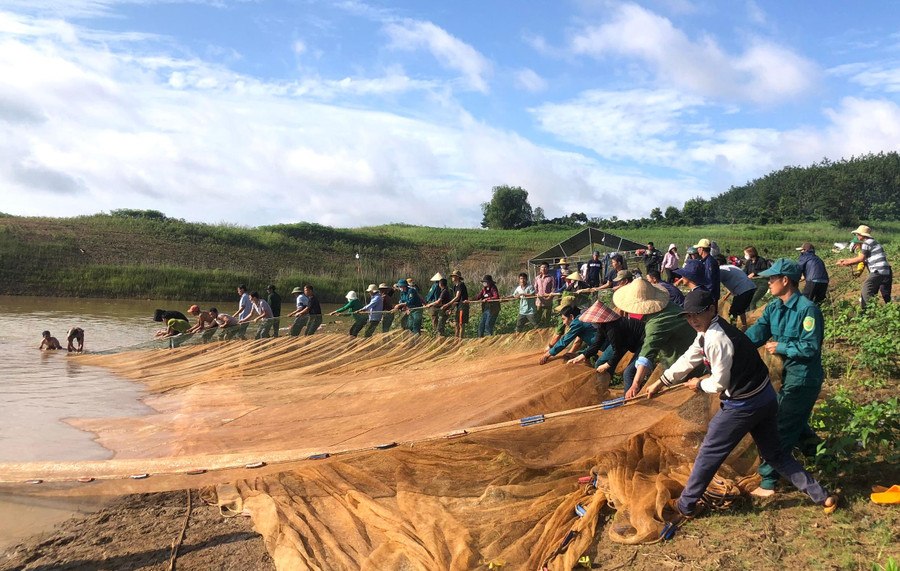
(581, 240)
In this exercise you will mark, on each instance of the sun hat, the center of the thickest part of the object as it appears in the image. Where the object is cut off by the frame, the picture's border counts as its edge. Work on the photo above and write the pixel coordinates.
(863, 230)
(806, 246)
(697, 301)
(402, 283)
(783, 267)
(488, 278)
(704, 243)
(693, 271)
(692, 250)
(456, 273)
(562, 261)
(599, 312)
(437, 277)
(193, 308)
(297, 290)
(383, 285)
(371, 288)
(410, 281)
(574, 276)
(641, 297)
(623, 275)
(351, 295)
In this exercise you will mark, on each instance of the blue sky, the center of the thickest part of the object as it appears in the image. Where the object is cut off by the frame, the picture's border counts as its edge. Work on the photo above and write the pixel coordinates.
(354, 113)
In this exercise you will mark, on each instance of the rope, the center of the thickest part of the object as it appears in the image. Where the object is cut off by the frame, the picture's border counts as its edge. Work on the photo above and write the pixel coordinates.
(523, 422)
(177, 543)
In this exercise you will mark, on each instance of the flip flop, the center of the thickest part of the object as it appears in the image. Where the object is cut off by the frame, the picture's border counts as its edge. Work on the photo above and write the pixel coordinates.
(888, 496)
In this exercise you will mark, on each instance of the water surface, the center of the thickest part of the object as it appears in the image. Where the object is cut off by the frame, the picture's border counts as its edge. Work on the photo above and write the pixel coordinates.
(42, 387)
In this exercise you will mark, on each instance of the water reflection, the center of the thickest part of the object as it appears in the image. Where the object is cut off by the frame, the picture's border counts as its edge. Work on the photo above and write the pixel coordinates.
(40, 388)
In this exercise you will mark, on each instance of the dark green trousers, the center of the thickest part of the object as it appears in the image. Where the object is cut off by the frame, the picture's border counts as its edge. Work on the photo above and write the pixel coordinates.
(795, 404)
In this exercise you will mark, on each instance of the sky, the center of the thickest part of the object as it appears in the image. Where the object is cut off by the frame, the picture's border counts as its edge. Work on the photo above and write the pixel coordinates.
(352, 113)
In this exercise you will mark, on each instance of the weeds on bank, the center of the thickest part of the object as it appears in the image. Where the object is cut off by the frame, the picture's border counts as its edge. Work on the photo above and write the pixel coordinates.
(855, 436)
(864, 340)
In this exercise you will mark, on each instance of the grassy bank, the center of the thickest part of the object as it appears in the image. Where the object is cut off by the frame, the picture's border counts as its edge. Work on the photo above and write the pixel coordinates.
(135, 257)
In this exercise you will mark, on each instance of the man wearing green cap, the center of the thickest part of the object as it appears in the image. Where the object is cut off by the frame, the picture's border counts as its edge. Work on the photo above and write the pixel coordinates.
(795, 325)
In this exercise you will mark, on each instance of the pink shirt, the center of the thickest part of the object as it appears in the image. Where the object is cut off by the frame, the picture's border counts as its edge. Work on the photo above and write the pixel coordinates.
(544, 285)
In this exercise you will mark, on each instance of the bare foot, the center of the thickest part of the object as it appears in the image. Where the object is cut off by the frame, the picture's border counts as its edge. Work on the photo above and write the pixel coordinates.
(762, 493)
(831, 504)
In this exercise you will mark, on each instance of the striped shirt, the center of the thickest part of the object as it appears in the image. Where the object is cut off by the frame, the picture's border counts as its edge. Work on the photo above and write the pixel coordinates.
(875, 258)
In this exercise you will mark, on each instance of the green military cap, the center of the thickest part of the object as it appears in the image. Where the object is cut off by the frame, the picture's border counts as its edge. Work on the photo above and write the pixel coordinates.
(783, 267)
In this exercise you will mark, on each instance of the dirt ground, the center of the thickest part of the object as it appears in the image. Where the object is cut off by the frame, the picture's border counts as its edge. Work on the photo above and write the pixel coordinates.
(137, 532)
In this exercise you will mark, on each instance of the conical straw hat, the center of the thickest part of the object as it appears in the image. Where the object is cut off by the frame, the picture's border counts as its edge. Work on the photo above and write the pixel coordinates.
(641, 297)
(598, 313)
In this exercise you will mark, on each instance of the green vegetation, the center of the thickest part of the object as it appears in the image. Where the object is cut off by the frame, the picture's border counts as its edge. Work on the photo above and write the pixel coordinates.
(144, 254)
(845, 192)
(508, 209)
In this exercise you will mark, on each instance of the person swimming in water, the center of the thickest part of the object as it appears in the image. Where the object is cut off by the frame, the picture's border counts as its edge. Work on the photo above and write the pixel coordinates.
(49, 342)
(75, 334)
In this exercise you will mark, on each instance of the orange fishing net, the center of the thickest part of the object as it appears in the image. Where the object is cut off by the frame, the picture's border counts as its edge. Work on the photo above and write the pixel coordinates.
(398, 452)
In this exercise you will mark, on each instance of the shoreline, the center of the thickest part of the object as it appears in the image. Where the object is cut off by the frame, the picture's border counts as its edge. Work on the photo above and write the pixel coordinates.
(128, 532)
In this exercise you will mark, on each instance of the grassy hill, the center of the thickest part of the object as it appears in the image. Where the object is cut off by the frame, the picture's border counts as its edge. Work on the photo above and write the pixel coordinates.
(108, 255)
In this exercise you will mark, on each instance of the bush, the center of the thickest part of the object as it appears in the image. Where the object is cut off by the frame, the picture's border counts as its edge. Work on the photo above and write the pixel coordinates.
(855, 435)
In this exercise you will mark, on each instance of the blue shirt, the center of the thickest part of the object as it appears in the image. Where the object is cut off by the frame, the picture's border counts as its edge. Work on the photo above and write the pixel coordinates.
(675, 295)
(712, 276)
(813, 267)
(583, 331)
(374, 306)
(735, 280)
(246, 305)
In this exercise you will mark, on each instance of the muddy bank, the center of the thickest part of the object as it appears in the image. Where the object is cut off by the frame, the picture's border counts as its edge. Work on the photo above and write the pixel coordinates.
(137, 532)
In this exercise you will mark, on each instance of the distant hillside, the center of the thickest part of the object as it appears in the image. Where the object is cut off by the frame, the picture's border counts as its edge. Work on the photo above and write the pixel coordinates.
(144, 254)
(862, 189)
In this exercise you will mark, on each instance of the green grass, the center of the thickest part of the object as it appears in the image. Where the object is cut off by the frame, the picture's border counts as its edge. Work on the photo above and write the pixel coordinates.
(133, 256)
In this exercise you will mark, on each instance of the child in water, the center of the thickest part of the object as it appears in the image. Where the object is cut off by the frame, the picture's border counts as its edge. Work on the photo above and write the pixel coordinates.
(49, 342)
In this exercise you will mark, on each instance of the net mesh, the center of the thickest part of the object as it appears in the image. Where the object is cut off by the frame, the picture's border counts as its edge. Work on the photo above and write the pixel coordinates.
(394, 491)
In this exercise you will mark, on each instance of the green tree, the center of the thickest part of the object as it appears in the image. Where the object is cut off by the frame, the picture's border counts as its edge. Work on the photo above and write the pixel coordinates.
(508, 209)
(656, 214)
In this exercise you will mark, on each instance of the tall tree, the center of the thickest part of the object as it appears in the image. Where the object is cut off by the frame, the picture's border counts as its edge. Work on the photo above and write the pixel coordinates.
(508, 209)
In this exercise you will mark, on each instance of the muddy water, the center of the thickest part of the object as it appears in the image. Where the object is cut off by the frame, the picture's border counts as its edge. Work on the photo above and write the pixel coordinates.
(40, 388)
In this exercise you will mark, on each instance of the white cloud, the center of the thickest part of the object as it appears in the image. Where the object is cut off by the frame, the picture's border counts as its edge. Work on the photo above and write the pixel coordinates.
(638, 124)
(528, 80)
(755, 13)
(871, 75)
(765, 72)
(299, 47)
(450, 51)
(84, 130)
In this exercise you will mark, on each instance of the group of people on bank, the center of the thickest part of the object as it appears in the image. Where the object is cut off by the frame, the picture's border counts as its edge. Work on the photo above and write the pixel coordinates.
(692, 344)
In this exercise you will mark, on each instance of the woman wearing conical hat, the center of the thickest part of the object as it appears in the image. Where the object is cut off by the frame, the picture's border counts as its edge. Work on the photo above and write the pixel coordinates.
(666, 335)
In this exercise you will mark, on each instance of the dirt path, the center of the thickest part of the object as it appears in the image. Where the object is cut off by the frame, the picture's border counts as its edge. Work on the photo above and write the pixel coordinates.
(137, 532)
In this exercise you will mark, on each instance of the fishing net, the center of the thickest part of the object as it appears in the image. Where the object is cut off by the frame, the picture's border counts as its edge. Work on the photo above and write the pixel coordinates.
(398, 452)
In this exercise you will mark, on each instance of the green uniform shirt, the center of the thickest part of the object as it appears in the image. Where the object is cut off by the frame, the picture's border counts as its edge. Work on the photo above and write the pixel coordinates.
(799, 329)
(354, 305)
(667, 336)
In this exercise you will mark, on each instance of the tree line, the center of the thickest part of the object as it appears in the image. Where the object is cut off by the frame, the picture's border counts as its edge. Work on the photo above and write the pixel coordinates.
(844, 192)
